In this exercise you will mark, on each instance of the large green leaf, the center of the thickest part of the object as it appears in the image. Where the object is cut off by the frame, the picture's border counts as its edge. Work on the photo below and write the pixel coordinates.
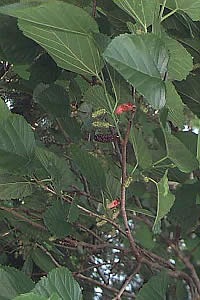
(165, 200)
(155, 288)
(90, 167)
(54, 100)
(180, 61)
(54, 26)
(59, 281)
(143, 11)
(142, 152)
(13, 283)
(14, 187)
(175, 106)
(16, 143)
(142, 61)
(192, 7)
(189, 92)
(55, 218)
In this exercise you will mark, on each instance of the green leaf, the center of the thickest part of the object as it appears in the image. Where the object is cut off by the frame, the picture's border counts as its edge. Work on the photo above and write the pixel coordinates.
(192, 7)
(185, 212)
(16, 143)
(55, 166)
(42, 260)
(142, 152)
(30, 296)
(54, 100)
(14, 187)
(13, 283)
(54, 26)
(180, 61)
(175, 106)
(142, 61)
(96, 96)
(142, 211)
(144, 236)
(165, 200)
(59, 281)
(120, 88)
(179, 154)
(90, 167)
(18, 49)
(155, 288)
(189, 92)
(143, 11)
(55, 218)
(4, 111)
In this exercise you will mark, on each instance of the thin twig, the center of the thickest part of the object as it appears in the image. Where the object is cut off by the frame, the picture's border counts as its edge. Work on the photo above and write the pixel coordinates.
(49, 254)
(127, 281)
(100, 284)
(123, 192)
(14, 213)
(94, 7)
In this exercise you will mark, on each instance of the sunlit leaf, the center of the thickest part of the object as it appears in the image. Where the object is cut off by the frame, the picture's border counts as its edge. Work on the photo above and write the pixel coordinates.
(142, 61)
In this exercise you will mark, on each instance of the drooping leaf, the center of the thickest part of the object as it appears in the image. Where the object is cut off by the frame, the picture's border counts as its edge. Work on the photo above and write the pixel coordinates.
(165, 200)
(59, 281)
(142, 152)
(16, 143)
(13, 283)
(179, 154)
(96, 96)
(185, 211)
(73, 212)
(54, 100)
(54, 26)
(192, 7)
(55, 167)
(18, 49)
(90, 167)
(144, 236)
(14, 187)
(4, 111)
(143, 11)
(55, 218)
(119, 87)
(42, 260)
(180, 61)
(175, 106)
(155, 288)
(189, 91)
(181, 290)
(142, 61)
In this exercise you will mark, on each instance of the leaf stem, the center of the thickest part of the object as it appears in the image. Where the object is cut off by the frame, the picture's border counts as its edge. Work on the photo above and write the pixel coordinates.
(159, 161)
(169, 14)
(162, 9)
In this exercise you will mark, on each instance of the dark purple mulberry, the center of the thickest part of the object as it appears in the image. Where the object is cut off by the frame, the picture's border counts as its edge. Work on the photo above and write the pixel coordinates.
(105, 137)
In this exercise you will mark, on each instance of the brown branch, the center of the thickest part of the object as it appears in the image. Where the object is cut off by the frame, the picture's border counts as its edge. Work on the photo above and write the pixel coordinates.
(100, 284)
(14, 213)
(123, 193)
(127, 281)
(49, 254)
(94, 7)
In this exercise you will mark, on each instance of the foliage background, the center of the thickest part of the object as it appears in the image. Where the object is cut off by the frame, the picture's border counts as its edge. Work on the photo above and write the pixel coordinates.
(114, 198)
